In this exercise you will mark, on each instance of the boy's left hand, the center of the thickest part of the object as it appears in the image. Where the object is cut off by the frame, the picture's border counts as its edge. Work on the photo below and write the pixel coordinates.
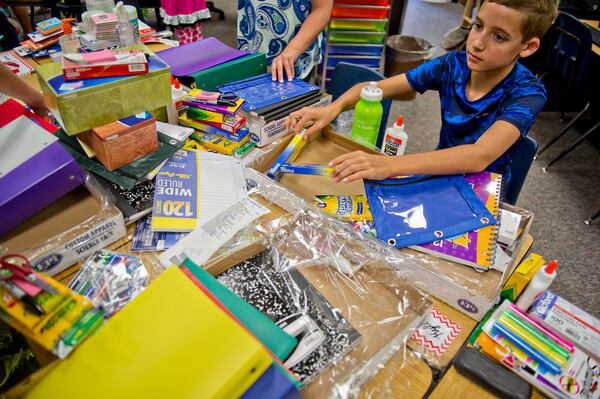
(360, 165)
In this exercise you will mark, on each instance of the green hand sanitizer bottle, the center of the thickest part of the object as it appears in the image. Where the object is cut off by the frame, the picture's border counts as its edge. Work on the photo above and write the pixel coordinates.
(367, 115)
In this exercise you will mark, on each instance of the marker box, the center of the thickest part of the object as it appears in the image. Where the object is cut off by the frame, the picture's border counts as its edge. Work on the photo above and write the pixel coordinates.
(306, 169)
(568, 321)
(290, 153)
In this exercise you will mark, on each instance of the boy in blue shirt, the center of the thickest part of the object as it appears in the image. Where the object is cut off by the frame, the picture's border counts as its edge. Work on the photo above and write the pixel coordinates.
(488, 100)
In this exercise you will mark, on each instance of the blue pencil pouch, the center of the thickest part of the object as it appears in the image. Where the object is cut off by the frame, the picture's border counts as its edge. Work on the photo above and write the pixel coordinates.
(420, 209)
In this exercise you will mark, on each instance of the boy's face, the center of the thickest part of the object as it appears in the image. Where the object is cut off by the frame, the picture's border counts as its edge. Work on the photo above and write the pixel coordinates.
(495, 41)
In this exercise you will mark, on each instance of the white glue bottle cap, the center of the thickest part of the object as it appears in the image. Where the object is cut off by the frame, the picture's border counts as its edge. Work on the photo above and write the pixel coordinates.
(538, 284)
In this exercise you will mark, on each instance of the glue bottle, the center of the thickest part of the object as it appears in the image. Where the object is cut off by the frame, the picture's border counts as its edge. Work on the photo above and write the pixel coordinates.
(69, 42)
(125, 29)
(394, 142)
(367, 115)
(538, 284)
(176, 105)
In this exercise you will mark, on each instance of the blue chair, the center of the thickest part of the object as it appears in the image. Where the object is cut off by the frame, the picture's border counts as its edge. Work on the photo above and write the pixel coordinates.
(523, 155)
(566, 68)
(345, 75)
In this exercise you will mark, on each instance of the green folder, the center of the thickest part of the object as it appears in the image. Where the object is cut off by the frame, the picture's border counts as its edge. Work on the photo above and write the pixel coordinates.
(280, 343)
(240, 68)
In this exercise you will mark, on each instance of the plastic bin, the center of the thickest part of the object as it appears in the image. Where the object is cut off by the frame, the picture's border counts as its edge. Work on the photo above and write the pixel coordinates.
(403, 53)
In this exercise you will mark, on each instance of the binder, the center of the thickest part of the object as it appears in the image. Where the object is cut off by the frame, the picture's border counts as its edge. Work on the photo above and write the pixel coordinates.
(172, 341)
(260, 91)
(273, 384)
(420, 209)
(275, 339)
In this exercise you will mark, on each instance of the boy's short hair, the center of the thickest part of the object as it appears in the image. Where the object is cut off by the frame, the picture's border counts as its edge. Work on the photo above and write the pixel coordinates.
(539, 15)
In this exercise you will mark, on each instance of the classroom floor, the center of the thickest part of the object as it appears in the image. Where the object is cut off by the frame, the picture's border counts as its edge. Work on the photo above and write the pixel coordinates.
(560, 199)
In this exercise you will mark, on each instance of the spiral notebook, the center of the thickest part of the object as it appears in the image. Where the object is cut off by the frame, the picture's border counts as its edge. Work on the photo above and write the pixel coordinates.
(475, 248)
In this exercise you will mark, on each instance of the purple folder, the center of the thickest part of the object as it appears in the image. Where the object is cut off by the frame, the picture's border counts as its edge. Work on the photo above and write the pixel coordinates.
(36, 183)
(198, 55)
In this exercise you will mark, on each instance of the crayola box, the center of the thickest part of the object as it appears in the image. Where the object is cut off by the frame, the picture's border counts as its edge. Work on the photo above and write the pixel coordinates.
(290, 153)
(219, 144)
(83, 104)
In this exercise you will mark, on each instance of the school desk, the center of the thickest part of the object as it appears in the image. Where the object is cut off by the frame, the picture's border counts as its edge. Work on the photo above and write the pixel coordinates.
(594, 24)
(407, 373)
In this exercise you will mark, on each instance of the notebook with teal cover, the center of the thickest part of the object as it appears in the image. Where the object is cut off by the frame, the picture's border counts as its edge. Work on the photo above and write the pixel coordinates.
(280, 343)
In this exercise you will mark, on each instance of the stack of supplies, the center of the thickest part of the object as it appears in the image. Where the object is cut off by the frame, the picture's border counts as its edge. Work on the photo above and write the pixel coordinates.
(269, 103)
(47, 33)
(42, 309)
(104, 63)
(538, 354)
(15, 63)
(216, 118)
(237, 358)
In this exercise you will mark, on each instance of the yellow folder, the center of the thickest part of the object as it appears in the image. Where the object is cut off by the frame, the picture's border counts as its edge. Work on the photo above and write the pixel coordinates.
(171, 342)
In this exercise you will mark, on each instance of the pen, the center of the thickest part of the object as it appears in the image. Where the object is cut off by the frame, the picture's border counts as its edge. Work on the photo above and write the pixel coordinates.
(544, 363)
(559, 340)
(537, 334)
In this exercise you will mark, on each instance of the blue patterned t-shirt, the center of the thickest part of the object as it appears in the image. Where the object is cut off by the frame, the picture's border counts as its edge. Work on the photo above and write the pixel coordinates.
(517, 99)
(267, 26)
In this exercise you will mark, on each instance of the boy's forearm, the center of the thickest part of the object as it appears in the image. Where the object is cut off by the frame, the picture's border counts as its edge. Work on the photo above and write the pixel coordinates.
(461, 159)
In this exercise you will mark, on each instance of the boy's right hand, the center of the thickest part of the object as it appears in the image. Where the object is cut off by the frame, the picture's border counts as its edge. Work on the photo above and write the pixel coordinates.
(319, 116)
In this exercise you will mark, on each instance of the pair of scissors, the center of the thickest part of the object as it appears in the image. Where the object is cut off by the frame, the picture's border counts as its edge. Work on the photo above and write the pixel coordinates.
(20, 268)
(228, 98)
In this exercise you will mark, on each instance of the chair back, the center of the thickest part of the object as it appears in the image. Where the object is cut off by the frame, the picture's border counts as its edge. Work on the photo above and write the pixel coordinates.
(345, 75)
(523, 154)
(569, 52)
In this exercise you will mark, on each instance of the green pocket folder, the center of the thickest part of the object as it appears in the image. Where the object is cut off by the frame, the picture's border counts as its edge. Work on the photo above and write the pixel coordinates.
(231, 71)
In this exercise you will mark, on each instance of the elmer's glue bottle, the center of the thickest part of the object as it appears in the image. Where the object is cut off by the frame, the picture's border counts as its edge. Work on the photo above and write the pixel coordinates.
(367, 115)
(538, 284)
(177, 94)
(394, 142)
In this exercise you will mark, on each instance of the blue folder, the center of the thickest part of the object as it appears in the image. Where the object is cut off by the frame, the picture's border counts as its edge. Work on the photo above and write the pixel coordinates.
(260, 91)
(272, 384)
(421, 209)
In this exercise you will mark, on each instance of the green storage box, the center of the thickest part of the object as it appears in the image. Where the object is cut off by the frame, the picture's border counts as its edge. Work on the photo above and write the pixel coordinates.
(240, 68)
(336, 36)
(81, 105)
(355, 24)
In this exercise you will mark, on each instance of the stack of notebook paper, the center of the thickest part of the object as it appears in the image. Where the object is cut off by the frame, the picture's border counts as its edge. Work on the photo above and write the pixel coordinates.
(268, 103)
(104, 26)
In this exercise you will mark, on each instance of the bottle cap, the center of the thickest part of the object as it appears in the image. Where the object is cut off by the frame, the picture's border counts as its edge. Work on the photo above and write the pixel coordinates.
(67, 29)
(177, 84)
(122, 12)
(551, 267)
(371, 92)
(400, 121)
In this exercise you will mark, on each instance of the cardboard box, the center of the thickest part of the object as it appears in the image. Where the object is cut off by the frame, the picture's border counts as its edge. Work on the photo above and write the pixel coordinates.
(464, 288)
(263, 134)
(66, 232)
(121, 142)
(85, 104)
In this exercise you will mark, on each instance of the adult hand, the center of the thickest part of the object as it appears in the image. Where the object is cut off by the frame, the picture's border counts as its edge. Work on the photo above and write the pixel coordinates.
(319, 117)
(360, 165)
(284, 62)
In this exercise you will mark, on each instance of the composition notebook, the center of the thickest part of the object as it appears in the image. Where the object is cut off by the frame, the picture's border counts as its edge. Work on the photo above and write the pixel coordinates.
(172, 341)
(475, 248)
(279, 295)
